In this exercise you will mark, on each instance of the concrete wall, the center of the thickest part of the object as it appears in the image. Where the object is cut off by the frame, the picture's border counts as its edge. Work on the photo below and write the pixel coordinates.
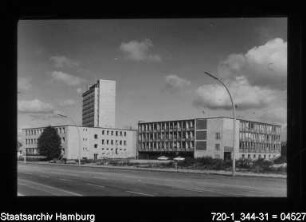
(72, 143)
(227, 135)
(91, 145)
(107, 103)
(31, 135)
(223, 126)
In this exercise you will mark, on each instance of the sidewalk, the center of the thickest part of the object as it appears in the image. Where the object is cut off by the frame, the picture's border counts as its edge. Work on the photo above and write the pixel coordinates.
(213, 172)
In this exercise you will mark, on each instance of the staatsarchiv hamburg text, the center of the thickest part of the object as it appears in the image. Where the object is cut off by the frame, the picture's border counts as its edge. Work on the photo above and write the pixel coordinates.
(5, 216)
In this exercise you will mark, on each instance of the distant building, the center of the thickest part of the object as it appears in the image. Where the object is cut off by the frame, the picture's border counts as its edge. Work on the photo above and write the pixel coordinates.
(99, 104)
(91, 142)
(209, 137)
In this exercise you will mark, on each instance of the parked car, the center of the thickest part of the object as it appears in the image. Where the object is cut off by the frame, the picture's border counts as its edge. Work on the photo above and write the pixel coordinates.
(162, 158)
(179, 158)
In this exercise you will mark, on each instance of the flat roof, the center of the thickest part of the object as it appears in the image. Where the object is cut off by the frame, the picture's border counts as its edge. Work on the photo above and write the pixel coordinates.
(216, 117)
(82, 127)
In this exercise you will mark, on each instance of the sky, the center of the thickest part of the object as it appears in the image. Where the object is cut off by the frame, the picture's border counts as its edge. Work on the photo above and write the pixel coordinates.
(158, 65)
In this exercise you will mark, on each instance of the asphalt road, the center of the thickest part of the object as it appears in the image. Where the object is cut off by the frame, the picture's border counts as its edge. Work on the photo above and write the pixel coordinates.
(55, 180)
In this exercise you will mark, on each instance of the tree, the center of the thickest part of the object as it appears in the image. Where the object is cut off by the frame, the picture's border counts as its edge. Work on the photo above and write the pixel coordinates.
(49, 143)
(284, 149)
(19, 144)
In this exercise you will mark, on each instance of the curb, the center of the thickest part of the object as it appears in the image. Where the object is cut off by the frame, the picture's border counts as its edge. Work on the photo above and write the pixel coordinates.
(224, 173)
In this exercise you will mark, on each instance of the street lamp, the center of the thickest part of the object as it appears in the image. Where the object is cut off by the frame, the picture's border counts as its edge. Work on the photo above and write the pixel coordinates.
(79, 155)
(234, 119)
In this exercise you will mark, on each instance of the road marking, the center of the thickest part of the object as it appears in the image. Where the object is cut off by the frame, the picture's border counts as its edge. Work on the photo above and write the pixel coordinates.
(213, 191)
(54, 188)
(96, 185)
(144, 194)
(35, 188)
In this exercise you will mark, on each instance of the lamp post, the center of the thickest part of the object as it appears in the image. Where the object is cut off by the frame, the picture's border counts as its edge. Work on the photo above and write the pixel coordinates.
(79, 150)
(234, 118)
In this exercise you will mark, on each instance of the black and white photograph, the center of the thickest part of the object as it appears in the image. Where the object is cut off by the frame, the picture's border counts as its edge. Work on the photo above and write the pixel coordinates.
(152, 107)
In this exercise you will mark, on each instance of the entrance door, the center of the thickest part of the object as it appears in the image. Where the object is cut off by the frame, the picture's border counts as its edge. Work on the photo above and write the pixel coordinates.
(95, 156)
(227, 155)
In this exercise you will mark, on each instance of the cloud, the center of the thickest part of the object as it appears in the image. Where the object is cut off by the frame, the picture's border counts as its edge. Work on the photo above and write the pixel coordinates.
(277, 114)
(68, 102)
(67, 78)
(34, 106)
(79, 90)
(139, 51)
(63, 61)
(264, 65)
(174, 83)
(24, 84)
(246, 96)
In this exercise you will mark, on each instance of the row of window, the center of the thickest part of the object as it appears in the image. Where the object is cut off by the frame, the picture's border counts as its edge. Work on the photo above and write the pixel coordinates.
(251, 126)
(259, 156)
(166, 135)
(166, 125)
(33, 132)
(88, 100)
(167, 145)
(31, 151)
(258, 137)
(111, 142)
(111, 149)
(88, 113)
(107, 143)
(253, 145)
(34, 141)
(111, 133)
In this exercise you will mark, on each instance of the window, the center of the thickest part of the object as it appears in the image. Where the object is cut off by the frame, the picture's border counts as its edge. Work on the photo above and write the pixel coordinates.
(116, 133)
(242, 156)
(96, 136)
(120, 142)
(201, 123)
(96, 145)
(102, 132)
(102, 141)
(112, 142)
(107, 132)
(64, 139)
(107, 142)
(124, 133)
(120, 133)
(217, 147)
(124, 142)
(112, 133)
(201, 145)
(218, 136)
(201, 135)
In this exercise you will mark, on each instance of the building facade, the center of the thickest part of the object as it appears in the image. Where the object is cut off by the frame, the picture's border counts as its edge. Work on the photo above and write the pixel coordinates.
(208, 137)
(99, 104)
(88, 142)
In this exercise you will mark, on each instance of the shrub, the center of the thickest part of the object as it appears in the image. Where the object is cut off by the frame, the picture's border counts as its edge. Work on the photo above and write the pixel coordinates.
(281, 159)
(33, 158)
(244, 163)
(262, 165)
